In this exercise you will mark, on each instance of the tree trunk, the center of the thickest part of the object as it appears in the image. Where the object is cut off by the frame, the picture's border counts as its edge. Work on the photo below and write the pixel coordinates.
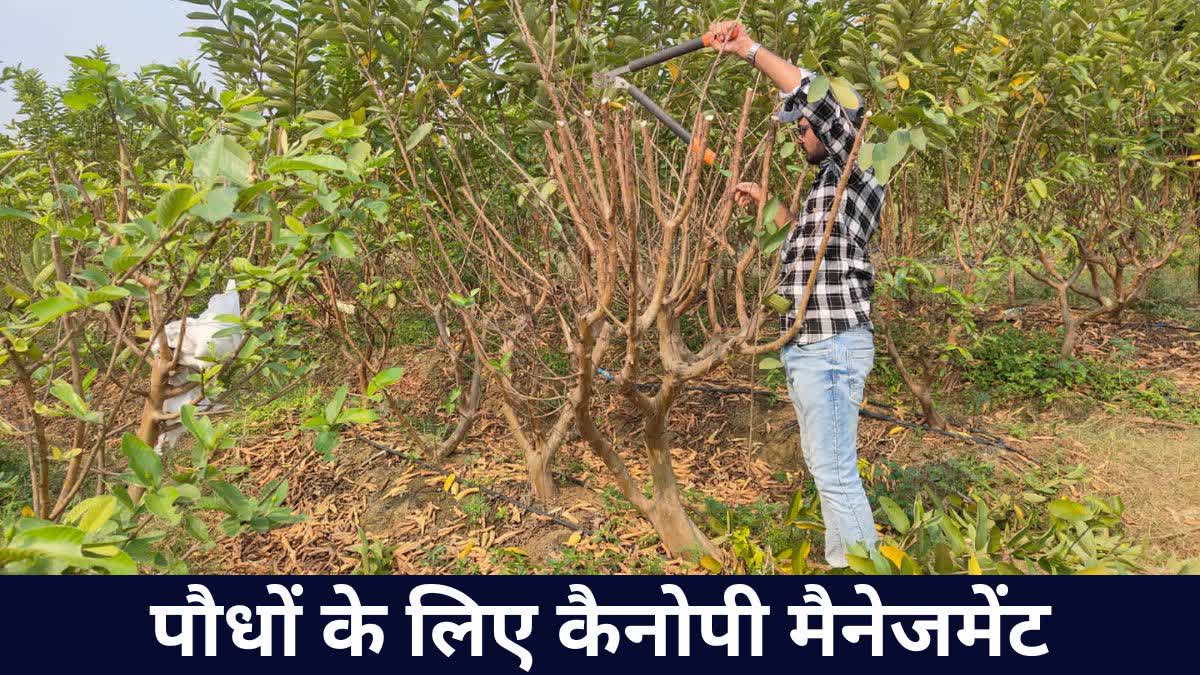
(929, 411)
(1012, 286)
(921, 390)
(1070, 326)
(679, 534)
(152, 409)
(540, 477)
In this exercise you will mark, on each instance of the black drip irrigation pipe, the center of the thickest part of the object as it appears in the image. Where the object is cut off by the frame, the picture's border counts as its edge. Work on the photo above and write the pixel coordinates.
(524, 506)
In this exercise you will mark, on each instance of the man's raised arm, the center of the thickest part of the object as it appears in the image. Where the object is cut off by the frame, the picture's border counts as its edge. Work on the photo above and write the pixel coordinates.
(829, 120)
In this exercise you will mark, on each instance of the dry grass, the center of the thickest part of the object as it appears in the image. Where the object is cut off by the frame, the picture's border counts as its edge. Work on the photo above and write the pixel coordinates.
(1155, 469)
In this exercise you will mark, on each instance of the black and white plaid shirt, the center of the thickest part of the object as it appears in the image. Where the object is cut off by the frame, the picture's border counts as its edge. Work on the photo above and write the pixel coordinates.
(841, 298)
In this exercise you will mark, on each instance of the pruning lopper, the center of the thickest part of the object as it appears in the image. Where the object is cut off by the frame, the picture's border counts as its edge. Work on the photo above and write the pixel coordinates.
(616, 77)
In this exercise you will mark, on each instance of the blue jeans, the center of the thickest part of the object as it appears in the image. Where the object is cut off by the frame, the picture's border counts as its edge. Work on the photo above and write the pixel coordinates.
(825, 380)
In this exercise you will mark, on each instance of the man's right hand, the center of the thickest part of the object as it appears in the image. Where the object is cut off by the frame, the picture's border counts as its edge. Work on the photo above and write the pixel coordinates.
(748, 194)
(729, 37)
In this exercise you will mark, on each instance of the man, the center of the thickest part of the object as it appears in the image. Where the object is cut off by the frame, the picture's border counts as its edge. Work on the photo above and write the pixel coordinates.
(828, 361)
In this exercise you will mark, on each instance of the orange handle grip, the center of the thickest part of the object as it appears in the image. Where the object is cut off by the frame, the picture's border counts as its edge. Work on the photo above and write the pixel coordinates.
(710, 157)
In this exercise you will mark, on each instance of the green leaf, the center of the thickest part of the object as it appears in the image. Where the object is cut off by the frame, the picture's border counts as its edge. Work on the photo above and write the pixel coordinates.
(106, 294)
(342, 245)
(217, 205)
(919, 141)
(80, 100)
(8, 212)
(67, 394)
(770, 363)
(92, 513)
(943, 563)
(325, 444)
(357, 416)
(796, 505)
(384, 379)
(866, 156)
(172, 205)
(334, 407)
(1065, 509)
(845, 93)
(51, 540)
(767, 224)
(418, 135)
(49, 309)
(860, 564)
(818, 88)
(896, 515)
(162, 504)
(221, 159)
(196, 528)
(142, 461)
(200, 427)
(234, 501)
(98, 66)
(306, 163)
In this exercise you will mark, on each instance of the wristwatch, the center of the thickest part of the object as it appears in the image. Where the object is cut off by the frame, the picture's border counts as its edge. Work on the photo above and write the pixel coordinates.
(752, 52)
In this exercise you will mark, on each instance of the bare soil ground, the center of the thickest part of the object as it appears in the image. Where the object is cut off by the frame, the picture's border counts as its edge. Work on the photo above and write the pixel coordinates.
(735, 448)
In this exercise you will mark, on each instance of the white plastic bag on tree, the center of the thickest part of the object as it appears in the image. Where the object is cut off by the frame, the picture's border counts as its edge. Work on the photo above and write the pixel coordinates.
(202, 348)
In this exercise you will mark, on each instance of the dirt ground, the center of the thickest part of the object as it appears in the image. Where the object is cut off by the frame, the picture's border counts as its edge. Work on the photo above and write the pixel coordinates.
(732, 447)
(735, 448)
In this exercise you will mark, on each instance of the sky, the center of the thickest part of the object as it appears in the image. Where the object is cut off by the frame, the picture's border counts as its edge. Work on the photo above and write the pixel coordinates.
(41, 33)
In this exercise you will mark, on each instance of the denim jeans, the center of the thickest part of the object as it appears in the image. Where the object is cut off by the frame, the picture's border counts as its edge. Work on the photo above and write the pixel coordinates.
(825, 380)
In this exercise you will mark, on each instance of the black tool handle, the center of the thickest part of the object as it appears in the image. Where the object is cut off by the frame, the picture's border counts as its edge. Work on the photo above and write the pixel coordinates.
(662, 115)
(666, 54)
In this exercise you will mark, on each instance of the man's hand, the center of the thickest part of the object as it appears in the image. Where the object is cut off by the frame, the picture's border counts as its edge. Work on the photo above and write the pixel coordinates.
(729, 37)
(747, 194)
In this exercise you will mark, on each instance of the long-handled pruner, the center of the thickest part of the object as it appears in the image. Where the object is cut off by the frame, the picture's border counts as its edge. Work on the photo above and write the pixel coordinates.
(615, 77)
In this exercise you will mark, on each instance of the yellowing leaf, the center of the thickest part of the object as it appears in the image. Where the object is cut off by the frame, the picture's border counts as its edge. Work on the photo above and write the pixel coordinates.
(515, 550)
(574, 539)
(902, 80)
(1193, 158)
(894, 554)
(466, 550)
(711, 564)
(26, 512)
(959, 49)
(673, 70)
(457, 92)
(973, 566)
(448, 482)
(463, 493)
(895, 430)
(1018, 81)
(1001, 39)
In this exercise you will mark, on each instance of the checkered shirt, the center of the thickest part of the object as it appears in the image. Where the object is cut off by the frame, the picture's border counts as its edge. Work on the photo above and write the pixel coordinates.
(841, 298)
